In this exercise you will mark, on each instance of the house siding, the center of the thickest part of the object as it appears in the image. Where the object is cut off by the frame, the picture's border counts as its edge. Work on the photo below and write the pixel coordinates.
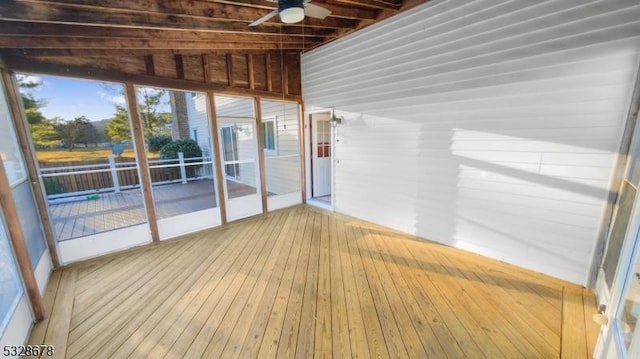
(240, 107)
(197, 112)
(199, 121)
(490, 126)
(283, 167)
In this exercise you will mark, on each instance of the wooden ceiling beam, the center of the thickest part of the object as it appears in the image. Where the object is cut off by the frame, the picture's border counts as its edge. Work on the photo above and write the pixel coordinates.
(35, 53)
(43, 13)
(191, 10)
(21, 64)
(337, 11)
(43, 30)
(127, 44)
(372, 4)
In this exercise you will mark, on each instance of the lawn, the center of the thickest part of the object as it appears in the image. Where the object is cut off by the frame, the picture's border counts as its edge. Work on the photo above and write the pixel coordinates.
(83, 154)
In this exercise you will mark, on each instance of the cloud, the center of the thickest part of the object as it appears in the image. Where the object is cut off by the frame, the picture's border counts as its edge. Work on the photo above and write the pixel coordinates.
(116, 99)
(31, 79)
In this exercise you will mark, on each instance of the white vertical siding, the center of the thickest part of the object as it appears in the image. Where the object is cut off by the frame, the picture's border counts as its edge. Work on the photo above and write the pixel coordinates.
(283, 167)
(488, 125)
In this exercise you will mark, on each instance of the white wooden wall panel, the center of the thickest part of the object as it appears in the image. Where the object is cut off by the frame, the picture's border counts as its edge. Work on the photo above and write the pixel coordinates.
(488, 125)
(283, 168)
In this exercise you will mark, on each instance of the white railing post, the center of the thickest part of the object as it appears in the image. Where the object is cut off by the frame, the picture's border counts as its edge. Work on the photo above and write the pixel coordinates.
(183, 172)
(114, 173)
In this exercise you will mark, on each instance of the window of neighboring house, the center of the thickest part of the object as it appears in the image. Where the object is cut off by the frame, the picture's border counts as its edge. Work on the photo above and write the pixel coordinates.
(269, 137)
(230, 151)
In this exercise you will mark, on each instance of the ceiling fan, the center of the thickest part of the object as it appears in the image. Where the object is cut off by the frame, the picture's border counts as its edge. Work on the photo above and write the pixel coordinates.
(292, 11)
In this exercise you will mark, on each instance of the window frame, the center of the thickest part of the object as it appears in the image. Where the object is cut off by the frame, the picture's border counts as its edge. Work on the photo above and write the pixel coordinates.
(273, 121)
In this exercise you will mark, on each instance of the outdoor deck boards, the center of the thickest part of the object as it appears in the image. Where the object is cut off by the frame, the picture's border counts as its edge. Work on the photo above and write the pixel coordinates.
(304, 283)
(126, 208)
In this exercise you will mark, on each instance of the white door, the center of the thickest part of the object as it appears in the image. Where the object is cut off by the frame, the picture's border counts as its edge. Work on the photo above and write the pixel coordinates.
(620, 338)
(239, 152)
(321, 154)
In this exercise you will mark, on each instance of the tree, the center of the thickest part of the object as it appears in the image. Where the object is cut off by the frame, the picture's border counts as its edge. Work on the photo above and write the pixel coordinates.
(118, 128)
(90, 135)
(31, 105)
(154, 121)
(44, 134)
(150, 101)
(71, 132)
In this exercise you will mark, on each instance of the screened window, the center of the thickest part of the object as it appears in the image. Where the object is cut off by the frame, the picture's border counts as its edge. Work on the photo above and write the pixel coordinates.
(269, 137)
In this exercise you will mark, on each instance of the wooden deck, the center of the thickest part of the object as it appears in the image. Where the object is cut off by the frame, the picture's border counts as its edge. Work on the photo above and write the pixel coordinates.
(306, 283)
(117, 210)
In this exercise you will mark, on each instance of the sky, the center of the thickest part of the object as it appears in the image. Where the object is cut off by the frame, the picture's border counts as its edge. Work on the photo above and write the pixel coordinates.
(71, 98)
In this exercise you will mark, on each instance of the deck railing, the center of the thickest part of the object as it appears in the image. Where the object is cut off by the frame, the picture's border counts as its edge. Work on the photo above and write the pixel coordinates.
(118, 174)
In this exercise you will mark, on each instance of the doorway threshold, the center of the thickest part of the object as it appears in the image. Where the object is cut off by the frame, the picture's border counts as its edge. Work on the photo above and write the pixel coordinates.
(321, 202)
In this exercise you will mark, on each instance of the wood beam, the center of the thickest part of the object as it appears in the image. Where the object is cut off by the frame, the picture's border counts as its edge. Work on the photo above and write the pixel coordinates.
(257, 109)
(69, 13)
(32, 29)
(42, 54)
(372, 4)
(267, 62)
(217, 162)
(196, 9)
(28, 65)
(179, 67)
(250, 72)
(337, 11)
(148, 64)
(16, 237)
(123, 45)
(143, 164)
(24, 138)
(230, 80)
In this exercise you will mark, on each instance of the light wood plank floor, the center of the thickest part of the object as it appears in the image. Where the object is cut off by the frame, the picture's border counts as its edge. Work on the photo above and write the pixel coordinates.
(306, 283)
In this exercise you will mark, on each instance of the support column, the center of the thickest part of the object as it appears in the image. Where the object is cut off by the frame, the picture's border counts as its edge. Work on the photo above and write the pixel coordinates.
(143, 164)
(215, 155)
(261, 160)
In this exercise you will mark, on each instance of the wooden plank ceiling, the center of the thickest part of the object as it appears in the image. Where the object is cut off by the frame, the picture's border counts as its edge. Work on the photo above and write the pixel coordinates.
(204, 41)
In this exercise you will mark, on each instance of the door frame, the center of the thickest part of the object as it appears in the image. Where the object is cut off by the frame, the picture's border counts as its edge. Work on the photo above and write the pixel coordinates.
(611, 340)
(309, 157)
(245, 206)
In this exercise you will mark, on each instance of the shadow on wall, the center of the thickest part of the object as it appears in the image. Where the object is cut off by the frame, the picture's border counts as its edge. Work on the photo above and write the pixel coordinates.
(531, 197)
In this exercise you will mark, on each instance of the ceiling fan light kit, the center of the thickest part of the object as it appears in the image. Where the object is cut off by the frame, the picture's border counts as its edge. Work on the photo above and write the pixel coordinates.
(293, 11)
(292, 15)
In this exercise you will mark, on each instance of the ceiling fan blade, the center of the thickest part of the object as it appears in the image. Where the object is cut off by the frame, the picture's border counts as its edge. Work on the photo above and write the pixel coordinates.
(315, 11)
(264, 18)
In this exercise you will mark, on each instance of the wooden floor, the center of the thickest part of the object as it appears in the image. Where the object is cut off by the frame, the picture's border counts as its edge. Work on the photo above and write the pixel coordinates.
(306, 283)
